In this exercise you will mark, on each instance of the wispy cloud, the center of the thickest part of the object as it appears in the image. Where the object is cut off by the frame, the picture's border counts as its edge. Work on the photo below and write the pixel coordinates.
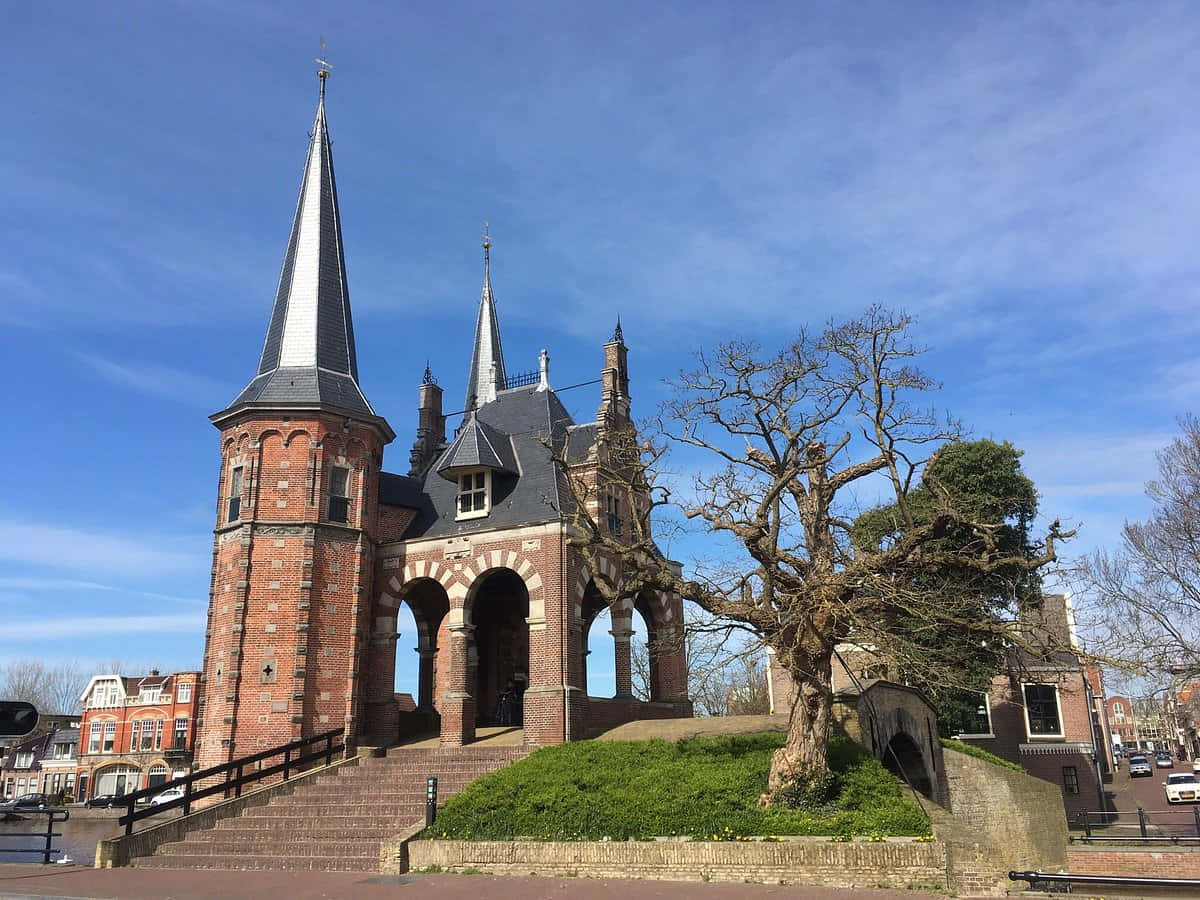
(161, 381)
(58, 548)
(66, 585)
(42, 629)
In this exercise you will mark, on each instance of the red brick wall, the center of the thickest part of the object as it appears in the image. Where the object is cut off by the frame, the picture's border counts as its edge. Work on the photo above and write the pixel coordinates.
(287, 608)
(1164, 862)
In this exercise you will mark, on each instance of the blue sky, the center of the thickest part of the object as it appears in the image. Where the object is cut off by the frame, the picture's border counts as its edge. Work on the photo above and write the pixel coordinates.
(1021, 177)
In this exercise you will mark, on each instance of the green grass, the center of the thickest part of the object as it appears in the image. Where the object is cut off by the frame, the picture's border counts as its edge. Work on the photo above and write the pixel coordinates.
(972, 750)
(700, 788)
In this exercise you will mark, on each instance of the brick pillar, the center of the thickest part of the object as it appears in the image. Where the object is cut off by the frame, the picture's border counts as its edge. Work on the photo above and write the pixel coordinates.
(425, 679)
(622, 635)
(458, 705)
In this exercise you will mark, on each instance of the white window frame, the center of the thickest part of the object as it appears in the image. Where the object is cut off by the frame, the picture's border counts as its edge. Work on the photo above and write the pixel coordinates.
(1057, 706)
(459, 492)
(183, 692)
(24, 760)
(109, 744)
(94, 737)
(991, 729)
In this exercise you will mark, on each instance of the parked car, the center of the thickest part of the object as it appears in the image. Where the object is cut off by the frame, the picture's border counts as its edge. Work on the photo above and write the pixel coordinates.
(1164, 759)
(1196, 765)
(105, 801)
(1183, 787)
(1139, 765)
(171, 793)
(25, 801)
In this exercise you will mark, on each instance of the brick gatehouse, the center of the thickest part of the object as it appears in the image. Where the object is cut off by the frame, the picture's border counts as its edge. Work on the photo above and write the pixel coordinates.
(316, 545)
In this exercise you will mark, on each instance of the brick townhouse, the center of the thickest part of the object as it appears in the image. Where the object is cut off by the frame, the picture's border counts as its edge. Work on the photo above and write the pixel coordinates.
(317, 545)
(43, 762)
(136, 732)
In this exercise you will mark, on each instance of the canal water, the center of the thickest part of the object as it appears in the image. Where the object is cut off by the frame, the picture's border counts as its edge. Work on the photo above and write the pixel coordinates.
(80, 834)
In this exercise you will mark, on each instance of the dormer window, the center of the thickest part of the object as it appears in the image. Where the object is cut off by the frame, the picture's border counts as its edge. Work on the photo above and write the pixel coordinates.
(339, 494)
(473, 494)
(235, 494)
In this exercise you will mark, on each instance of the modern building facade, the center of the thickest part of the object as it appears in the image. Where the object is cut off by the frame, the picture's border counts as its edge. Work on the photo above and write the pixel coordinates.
(317, 545)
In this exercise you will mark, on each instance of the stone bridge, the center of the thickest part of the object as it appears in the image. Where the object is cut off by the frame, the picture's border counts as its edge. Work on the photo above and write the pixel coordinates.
(898, 724)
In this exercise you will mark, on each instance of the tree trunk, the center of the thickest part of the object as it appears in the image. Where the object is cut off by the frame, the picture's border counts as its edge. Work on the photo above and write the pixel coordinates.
(807, 747)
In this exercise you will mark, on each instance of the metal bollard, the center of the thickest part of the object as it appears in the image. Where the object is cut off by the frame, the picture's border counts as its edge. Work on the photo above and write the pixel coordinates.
(1142, 820)
(430, 799)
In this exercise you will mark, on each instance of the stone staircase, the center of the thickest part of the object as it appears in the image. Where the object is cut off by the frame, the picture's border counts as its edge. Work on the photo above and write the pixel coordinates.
(338, 821)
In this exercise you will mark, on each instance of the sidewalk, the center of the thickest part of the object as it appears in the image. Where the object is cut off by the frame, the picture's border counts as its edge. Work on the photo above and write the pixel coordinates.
(34, 880)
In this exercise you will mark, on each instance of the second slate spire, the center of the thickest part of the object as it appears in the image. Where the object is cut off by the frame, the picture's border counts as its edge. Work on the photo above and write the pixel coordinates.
(487, 374)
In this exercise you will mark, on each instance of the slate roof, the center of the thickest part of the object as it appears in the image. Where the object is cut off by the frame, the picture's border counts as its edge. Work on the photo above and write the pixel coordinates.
(525, 417)
(308, 357)
(486, 350)
(477, 445)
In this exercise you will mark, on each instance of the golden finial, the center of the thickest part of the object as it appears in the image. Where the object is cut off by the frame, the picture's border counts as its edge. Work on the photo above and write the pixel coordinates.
(324, 67)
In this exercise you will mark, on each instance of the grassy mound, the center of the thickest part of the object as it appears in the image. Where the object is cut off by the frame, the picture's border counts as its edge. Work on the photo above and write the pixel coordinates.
(972, 750)
(700, 788)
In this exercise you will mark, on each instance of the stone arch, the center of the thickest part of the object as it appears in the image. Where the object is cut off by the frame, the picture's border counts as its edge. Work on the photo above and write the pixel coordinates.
(589, 607)
(499, 609)
(658, 617)
(897, 722)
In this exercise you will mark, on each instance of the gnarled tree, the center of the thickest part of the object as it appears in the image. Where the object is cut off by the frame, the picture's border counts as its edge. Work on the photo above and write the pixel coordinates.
(786, 443)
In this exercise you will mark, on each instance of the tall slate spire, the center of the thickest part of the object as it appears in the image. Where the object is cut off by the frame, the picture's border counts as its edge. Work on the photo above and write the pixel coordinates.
(487, 357)
(308, 356)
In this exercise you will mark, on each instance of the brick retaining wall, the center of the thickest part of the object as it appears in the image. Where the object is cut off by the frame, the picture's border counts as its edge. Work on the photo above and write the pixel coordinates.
(1164, 862)
(897, 863)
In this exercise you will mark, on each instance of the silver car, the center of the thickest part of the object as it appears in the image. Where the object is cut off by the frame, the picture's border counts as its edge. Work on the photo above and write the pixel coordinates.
(1139, 765)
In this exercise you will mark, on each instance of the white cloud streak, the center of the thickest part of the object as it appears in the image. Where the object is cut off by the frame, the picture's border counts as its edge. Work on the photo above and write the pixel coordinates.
(59, 548)
(69, 627)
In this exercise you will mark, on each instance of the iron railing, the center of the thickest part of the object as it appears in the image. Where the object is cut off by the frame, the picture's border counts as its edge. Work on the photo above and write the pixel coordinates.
(237, 773)
(1035, 878)
(54, 815)
(1143, 826)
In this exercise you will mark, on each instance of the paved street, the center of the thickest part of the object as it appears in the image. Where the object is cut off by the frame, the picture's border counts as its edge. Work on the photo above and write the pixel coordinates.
(160, 884)
(1127, 794)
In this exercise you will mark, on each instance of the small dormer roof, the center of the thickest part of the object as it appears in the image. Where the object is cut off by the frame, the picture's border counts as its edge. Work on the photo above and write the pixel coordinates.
(477, 446)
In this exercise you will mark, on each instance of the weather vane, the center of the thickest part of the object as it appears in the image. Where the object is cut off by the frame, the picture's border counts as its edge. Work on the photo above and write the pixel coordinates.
(325, 67)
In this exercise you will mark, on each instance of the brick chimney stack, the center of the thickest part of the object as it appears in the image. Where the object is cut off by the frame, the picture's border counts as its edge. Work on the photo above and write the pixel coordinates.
(431, 426)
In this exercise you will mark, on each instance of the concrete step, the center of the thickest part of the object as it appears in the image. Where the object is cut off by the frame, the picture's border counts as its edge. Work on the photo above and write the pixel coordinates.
(278, 862)
(362, 847)
(306, 832)
(386, 812)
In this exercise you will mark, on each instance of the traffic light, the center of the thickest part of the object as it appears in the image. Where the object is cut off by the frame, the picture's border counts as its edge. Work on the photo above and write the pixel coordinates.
(17, 718)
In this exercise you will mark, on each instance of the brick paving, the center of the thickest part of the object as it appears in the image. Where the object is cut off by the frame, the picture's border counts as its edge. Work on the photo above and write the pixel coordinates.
(33, 880)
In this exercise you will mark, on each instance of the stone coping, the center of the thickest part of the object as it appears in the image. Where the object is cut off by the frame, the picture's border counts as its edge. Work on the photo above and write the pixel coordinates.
(903, 863)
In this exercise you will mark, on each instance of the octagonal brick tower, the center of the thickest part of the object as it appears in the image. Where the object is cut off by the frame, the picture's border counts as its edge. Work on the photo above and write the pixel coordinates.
(301, 450)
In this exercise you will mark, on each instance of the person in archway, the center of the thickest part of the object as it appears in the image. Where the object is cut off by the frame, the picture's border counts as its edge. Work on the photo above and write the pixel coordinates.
(508, 700)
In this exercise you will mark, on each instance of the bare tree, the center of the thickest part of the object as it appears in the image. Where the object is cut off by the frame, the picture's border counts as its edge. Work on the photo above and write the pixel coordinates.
(1148, 590)
(51, 688)
(793, 435)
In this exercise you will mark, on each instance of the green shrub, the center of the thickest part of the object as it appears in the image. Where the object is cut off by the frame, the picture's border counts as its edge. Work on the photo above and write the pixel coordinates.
(588, 790)
(978, 753)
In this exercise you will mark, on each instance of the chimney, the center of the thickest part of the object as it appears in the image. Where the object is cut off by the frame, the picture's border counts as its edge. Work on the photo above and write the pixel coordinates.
(614, 391)
(431, 426)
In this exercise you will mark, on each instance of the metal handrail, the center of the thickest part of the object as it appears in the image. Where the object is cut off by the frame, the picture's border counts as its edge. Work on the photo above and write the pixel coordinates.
(190, 795)
(1033, 877)
(50, 812)
(1108, 820)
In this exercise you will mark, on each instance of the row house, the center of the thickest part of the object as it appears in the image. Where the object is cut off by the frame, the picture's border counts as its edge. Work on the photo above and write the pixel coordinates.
(42, 763)
(1142, 723)
(136, 732)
